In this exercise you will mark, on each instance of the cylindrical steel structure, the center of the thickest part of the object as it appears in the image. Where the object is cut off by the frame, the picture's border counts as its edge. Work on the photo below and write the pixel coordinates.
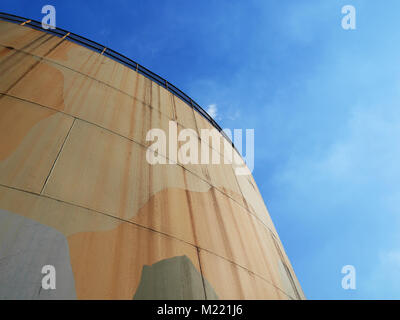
(78, 194)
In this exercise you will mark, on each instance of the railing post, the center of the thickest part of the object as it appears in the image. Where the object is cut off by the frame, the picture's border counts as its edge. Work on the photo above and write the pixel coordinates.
(176, 92)
(27, 21)
(66, 35)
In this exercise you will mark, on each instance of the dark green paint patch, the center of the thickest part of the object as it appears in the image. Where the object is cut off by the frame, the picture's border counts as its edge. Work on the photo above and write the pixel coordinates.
(173, 279)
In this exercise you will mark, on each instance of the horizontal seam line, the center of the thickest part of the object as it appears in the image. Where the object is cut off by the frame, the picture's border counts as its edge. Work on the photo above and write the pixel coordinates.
(94, 79)
(119, 90)
(111, 216)
(145, 147)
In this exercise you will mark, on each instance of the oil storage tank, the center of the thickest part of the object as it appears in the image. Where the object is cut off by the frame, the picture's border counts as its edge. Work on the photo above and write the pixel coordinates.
(80, 202)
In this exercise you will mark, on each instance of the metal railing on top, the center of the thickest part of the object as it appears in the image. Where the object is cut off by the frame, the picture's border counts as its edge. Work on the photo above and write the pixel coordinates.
(117, 57)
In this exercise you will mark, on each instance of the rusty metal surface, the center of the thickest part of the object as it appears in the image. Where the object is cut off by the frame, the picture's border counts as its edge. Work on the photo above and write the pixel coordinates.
(73, 160)
(58, 32)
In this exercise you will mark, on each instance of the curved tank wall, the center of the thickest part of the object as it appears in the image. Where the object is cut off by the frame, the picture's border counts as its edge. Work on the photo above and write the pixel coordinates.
(77, 193)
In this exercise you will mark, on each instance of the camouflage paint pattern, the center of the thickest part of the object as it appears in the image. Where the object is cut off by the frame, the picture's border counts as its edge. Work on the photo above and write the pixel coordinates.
(77, 192)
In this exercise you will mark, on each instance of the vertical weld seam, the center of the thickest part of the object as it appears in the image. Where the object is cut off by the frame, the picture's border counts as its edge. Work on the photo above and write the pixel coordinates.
(32, 67)
(187, 192)
(201, 273)
(195, 121)
(175, 114)
(287, 270)
(58, 155)
(22, 49)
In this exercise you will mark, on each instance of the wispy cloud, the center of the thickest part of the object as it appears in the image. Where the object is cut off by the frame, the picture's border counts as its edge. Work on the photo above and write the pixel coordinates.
(212, 110)
(234, 115)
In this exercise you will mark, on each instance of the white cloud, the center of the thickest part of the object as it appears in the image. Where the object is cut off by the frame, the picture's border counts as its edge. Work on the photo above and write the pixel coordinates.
(383, 282)
(352, 186)
(366, 153)
(391, 258)
(234, 115)
(212, 110)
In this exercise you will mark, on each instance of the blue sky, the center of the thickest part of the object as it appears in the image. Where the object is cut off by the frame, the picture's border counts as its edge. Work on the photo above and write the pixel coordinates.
(324, 103)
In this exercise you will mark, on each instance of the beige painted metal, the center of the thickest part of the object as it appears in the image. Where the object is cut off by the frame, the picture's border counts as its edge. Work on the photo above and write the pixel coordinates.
(73, 147)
